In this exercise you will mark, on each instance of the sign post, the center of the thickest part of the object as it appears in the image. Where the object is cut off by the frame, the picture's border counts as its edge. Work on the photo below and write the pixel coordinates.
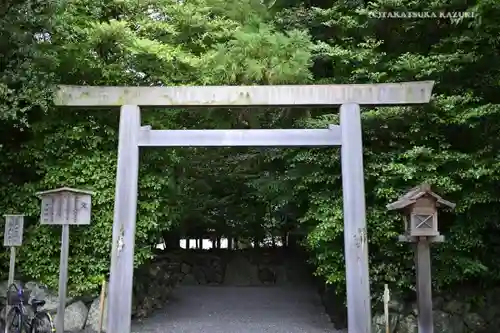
(13, 237)
(387, 299)
(64, 206)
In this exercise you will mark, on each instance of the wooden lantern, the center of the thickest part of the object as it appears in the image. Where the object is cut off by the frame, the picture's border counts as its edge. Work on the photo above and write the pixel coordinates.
(420, 208)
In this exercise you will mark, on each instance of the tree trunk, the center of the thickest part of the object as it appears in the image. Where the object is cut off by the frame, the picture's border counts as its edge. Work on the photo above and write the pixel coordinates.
(172, 240)
(213, 240)
(256, 242)
(284, 240)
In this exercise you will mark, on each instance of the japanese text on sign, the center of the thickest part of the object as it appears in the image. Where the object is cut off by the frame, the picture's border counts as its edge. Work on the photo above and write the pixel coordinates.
(66, 208)
(13, 235)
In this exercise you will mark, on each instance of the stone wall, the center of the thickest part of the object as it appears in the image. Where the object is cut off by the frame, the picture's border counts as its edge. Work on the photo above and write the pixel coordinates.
(155, 281)
(466, 311)
(153, 284)
(236, 268)
(463, 311)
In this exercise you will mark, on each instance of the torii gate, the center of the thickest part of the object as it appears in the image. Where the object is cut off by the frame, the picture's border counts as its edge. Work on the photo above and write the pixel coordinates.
(347, 135)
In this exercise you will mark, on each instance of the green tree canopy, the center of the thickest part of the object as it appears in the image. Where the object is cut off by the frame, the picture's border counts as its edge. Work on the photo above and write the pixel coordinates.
(452, 142)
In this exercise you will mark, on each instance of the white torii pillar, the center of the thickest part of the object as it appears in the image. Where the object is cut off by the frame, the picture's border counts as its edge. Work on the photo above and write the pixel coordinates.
(348, 135)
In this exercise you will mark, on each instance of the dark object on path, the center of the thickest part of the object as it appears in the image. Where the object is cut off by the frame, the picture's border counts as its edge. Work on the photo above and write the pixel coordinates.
(267, 276)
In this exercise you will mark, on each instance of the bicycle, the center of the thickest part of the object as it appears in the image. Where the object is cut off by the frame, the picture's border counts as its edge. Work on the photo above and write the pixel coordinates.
(18, 320)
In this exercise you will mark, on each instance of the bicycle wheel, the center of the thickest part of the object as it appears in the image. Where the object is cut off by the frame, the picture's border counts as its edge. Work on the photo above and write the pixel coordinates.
(14, 321)
(42, 323)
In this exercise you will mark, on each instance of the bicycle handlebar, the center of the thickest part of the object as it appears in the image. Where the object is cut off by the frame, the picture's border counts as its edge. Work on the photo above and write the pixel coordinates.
(15, 286)
(18, 290)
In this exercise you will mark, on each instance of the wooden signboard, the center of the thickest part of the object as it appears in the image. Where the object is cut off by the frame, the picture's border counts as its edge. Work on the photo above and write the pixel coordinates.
(13, 237)
(13, 234)
(64, 206)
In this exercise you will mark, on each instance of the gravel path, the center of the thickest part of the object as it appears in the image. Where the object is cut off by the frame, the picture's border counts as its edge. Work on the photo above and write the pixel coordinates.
(224, 309)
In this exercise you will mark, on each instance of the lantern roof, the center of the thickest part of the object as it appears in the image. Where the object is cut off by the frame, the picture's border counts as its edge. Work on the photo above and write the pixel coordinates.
(416, 193)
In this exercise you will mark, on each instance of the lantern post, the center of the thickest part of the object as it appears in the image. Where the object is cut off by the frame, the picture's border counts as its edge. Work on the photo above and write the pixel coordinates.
(420, 212)
(13, 237)
(64, 206)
